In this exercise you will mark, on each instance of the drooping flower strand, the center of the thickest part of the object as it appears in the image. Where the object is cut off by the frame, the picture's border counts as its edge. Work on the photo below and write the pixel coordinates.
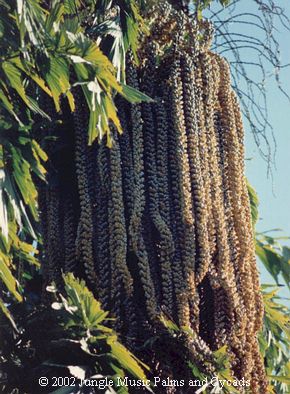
(246, 205)
(102, 248)
(135, 226)
(69, 235)
(54, 249)
(182, 308)
(84, 241)
(188, 249)
(197, 187)
(165, 246)
(224, 267)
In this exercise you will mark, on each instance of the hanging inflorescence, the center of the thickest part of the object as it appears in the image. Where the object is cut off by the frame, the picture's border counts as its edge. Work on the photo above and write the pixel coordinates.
(160, 223)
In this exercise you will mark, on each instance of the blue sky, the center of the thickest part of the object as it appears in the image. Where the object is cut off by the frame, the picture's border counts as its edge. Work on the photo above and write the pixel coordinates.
(274, 193)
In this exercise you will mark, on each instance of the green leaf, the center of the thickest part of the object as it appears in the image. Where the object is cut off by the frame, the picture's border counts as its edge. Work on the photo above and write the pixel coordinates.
(71, 6)
(14, 77)
(8, 278)
(57, 78)
(127, 360)
(270, 260)
(254, 202)
(89, 309)
(3, 208)
(282, 379)
(85, 312)
(134, 96)
(8, 105)
(285, 266)
(54, 16)
(20, 212)
(31, 74)
(274, 257)
(6, 312)
(169, 324)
